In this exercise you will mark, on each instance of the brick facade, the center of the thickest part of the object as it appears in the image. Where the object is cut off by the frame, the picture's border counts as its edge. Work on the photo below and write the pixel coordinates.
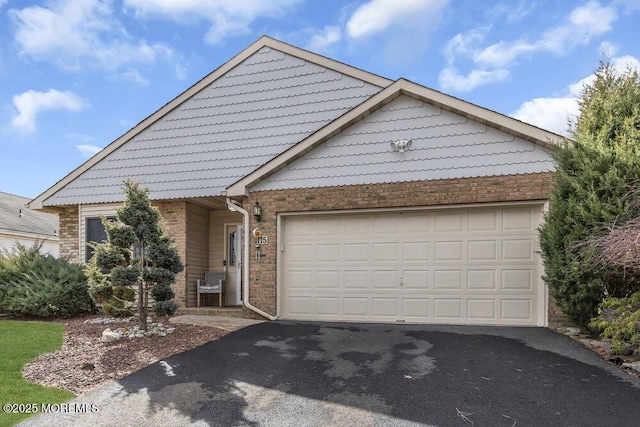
(392, 195)
(70, 233)
(511, 188)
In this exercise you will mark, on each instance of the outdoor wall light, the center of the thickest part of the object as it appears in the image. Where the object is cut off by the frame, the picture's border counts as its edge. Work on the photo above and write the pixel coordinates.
(257, 211)
(402, 145)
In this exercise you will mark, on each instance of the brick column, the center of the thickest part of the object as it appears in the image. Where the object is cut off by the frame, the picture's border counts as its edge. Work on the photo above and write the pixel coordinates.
(69, 234)
(175, 221)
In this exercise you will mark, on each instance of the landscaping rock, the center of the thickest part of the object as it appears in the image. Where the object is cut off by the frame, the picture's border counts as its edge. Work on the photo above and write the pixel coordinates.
(153, 329)
(633, 365)
(572, 332)
(110, 336)
(604, 345)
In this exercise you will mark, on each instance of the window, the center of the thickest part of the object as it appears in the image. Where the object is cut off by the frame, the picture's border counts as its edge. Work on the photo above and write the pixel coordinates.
(95, 233)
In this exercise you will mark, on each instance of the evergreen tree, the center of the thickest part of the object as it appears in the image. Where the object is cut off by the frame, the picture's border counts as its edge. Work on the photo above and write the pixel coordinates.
(593, 173)
(137, 259)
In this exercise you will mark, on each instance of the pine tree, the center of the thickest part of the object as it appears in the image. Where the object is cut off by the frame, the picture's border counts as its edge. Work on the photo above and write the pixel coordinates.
(593, 173)
(138, 259)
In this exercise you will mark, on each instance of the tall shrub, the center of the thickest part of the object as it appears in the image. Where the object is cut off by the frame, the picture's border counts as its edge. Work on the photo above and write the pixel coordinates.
(137, 257)
(593, 173)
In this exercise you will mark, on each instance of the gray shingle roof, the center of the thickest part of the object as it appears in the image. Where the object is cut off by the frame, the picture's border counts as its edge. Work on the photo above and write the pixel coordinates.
(16, 217)
(255, 111)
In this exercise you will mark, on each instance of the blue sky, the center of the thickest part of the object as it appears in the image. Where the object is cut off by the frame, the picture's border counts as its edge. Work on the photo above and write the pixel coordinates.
(77, 74)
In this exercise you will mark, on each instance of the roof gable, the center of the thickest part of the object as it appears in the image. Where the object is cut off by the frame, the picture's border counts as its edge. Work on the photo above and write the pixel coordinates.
(259, 104)
(445, 145)
(444, 128)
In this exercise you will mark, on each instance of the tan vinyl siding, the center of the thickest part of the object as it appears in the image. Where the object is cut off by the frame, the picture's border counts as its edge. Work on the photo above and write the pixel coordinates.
(197, 248)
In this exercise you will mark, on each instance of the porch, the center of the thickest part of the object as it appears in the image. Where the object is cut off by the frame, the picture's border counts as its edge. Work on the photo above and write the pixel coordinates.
(209, 238)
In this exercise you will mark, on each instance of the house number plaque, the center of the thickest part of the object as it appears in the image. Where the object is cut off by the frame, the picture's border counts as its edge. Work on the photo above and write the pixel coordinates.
(262, 240)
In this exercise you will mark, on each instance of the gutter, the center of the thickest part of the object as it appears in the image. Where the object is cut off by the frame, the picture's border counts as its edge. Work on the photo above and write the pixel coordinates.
(245, 283)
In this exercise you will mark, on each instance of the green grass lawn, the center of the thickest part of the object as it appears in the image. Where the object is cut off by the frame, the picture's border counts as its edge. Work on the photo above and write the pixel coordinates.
(21, 342)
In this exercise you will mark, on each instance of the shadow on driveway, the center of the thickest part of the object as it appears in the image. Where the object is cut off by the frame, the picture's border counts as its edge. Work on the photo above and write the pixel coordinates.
(295, 374)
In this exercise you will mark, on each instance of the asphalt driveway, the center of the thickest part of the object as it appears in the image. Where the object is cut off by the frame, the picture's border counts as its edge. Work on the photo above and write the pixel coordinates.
(297, 374)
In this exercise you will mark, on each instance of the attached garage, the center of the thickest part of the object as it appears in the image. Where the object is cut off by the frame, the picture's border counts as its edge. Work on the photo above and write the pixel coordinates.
(472, 265)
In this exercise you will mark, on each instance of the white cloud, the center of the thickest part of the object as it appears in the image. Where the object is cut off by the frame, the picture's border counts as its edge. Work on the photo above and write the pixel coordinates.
(135, 76)
(3, 2)
(322, 39)
(553, 113)
(548, 113)
(226, 17)
(29, 104)
(582, 24)
(377, 15)
(450, 79)
(88, 150)
(74, 34)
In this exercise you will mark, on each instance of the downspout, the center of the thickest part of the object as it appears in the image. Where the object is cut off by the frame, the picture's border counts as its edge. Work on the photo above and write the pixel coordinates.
(245, 282)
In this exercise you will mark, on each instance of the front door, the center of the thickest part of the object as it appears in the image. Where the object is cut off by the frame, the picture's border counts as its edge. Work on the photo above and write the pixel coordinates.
(233, 256)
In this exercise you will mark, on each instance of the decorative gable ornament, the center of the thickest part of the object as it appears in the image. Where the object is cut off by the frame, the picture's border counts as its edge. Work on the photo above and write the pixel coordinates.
(402, 145)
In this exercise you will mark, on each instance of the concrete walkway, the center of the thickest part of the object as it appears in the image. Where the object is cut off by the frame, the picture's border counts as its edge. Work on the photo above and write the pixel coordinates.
(225, 323)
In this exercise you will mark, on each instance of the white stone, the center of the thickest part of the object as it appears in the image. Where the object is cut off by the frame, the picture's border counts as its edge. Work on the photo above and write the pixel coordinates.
(110, 336)
(572, 332)
(633, 365)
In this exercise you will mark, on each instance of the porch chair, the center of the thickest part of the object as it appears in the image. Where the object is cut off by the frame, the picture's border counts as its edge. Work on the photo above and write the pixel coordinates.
(213, 283)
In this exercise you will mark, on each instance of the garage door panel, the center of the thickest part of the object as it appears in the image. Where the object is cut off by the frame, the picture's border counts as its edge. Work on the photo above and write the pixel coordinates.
(416, 252)
(301, 279)
(482, 250)
(329, 253)
(301, 306)
(517, 249)
(518, 219)
(356, 307)
(416, 309)
(448, 309)
(356, 252)
(384, 307)
(482, 280)
(482, 309)
(328, 279)
(448, 251)
(517, 279)
(447, 279)
(516, 309)
(448, 222)
(386, 225)
(474, 265)
(483, 221)
(357, 279)
(417, 280)
(327, 306)
(417, 223)
(385, 279)
(386, 252)
(301, 253)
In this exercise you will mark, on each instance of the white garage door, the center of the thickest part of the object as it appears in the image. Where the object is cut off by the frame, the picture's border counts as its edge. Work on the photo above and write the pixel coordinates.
(465, 266)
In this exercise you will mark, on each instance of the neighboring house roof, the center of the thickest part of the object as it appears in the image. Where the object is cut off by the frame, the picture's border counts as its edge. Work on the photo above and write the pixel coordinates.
(17, 219)
(254, 107)
(273, 103)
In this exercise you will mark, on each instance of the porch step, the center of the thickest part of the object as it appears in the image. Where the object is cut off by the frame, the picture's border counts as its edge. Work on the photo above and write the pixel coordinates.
(238, 312)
